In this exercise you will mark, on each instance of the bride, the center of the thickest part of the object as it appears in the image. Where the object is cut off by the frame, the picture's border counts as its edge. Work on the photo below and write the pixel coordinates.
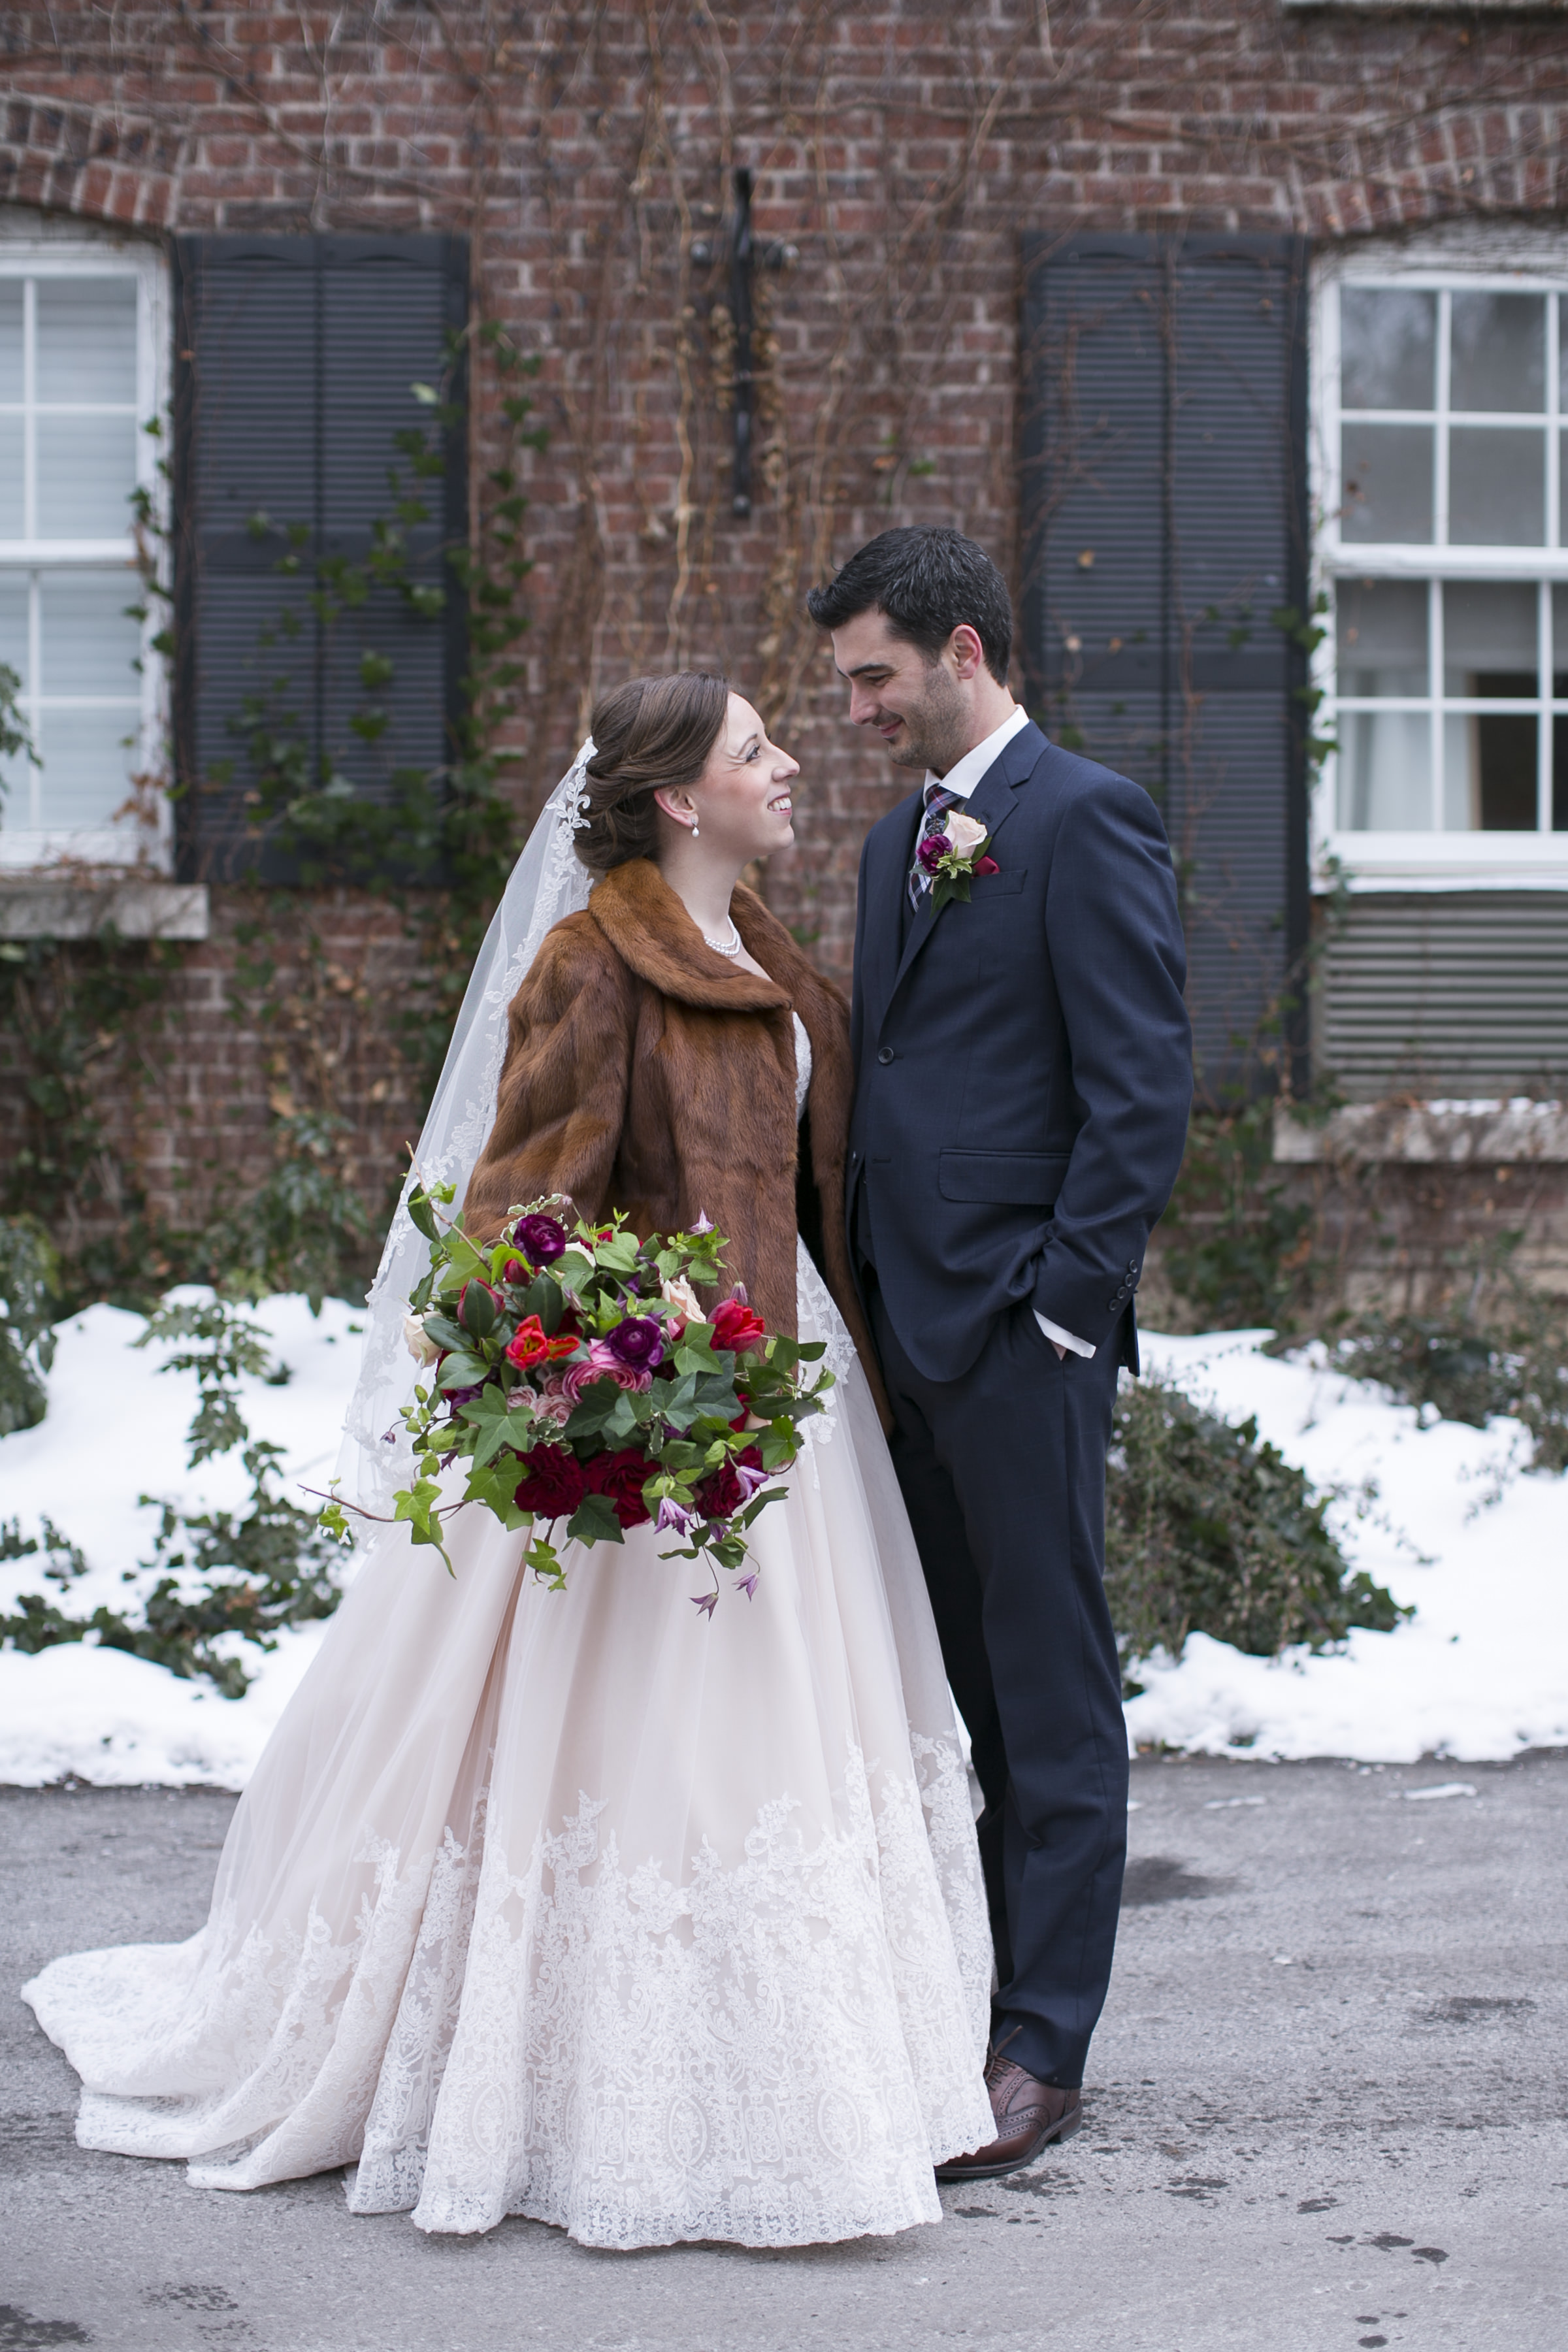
(586, 1905)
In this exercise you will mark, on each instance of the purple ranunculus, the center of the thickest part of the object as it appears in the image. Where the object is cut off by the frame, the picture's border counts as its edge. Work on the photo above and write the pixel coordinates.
(541, 1238)
(638, 1342)
(935, 848)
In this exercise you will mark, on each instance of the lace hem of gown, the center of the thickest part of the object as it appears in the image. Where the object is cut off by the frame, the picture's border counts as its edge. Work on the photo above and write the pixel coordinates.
(773, 2053)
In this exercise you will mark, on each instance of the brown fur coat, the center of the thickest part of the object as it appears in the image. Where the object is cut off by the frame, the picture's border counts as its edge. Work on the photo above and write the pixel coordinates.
(647, 1074)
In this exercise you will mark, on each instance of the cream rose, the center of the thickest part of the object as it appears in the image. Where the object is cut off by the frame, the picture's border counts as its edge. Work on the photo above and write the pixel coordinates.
(418, 1340)
(679, 1294)
(965, 833)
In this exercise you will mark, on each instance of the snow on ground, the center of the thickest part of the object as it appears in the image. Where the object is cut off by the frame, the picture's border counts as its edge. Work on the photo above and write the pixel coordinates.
(115, 1430)
(1480, 1672)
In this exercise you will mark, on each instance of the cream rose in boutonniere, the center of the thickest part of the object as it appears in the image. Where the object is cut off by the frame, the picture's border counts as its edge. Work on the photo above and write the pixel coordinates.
(953, 858)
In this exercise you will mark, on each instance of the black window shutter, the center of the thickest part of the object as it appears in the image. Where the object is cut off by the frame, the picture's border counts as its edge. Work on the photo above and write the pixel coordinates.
(296, 356)
(1164, 493)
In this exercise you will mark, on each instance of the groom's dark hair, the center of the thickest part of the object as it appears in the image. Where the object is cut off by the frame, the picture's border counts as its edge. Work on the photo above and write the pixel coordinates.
(925, 582)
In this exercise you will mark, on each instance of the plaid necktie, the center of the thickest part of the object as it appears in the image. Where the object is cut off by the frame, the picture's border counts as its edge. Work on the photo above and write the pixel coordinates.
(939, 800)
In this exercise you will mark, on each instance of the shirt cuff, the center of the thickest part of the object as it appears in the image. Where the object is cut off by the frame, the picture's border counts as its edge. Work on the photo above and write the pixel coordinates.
(1067, 1339)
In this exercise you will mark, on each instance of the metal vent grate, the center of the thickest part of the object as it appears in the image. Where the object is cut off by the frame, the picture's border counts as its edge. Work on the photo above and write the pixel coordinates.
(1447, 993)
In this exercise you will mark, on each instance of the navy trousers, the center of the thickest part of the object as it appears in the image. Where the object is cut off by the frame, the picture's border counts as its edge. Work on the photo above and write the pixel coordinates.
(1004, 1474)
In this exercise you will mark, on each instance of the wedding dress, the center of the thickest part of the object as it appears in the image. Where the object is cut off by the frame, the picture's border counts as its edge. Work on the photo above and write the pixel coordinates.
(584, 1905)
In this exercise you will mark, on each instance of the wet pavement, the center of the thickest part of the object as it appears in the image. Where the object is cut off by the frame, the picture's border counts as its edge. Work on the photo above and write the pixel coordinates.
(1325, 2111)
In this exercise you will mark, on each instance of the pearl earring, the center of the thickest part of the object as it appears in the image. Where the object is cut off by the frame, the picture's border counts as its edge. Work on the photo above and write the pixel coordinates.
(694, 828)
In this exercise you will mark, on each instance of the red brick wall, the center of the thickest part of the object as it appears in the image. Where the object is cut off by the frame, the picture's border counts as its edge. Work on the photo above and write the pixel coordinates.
(900, 147)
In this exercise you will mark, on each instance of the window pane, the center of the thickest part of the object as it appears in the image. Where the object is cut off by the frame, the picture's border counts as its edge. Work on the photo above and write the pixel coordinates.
(86, 338)
(89, 643)
(87, 766)
(11, 293)
(1388, 482)
(1388, 344)
(1385, 772)
(1496, 488)
(1489, 772)
(1499, 357)
(1559, 775)
(1559, 642)
(1489, 640)
(1382, 636)
(12, 515)
(87, 471)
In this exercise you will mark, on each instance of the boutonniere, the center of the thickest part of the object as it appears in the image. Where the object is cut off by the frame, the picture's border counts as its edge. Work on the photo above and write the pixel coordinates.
(953, 858)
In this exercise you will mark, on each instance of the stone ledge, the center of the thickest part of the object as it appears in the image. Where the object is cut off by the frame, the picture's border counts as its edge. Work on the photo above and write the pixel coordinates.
(47, 908)
(1448, 1134)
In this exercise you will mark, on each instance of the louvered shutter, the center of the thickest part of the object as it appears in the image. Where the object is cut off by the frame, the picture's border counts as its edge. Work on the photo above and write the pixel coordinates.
(1165, 467)
(295, 363)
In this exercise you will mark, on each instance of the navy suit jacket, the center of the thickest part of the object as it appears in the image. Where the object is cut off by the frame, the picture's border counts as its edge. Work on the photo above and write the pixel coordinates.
(1023, 1061)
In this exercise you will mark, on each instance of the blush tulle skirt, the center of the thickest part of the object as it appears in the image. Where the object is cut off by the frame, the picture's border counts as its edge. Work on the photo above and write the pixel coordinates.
(582, 1905)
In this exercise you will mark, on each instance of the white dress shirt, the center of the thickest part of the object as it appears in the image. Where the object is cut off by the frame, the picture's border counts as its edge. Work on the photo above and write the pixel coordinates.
(961, 777)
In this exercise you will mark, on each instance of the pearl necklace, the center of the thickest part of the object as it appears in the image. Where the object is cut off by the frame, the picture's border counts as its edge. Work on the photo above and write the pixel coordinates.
(720, 947)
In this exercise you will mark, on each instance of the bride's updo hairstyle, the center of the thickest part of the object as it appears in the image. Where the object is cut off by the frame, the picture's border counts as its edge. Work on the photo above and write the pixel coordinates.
(649, 732)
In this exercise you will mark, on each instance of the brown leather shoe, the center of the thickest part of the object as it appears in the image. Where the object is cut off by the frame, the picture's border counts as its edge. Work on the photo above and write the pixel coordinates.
(1029, 2114)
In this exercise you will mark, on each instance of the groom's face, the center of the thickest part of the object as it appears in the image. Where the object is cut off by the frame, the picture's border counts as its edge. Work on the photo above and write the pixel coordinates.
(915, 705)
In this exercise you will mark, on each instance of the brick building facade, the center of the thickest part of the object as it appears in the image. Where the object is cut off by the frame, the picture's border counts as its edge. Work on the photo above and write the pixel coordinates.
(910, 176)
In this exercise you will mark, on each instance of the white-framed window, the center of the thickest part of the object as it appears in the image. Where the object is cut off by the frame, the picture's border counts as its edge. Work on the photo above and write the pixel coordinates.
(1440, 492)
(83, 341)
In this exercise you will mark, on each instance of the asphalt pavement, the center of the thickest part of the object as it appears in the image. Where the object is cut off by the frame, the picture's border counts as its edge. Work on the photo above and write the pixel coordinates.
(1325, 2111)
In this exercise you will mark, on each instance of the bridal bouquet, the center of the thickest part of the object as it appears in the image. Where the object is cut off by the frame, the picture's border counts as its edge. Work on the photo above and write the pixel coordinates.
(577, 1377)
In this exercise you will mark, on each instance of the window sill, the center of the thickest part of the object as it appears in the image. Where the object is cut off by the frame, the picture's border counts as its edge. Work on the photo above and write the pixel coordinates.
(1432, 1134)
(41, 907)
(1443, 861)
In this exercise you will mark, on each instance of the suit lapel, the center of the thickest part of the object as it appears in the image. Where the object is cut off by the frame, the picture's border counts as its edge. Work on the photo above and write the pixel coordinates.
(992, 804)
(887, 869)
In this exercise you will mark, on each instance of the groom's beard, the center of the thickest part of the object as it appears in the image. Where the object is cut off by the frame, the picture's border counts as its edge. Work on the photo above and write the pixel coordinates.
(934, 731)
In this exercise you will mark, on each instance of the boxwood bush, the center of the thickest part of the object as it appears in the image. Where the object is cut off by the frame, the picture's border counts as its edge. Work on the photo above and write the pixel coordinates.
(1208, 1528)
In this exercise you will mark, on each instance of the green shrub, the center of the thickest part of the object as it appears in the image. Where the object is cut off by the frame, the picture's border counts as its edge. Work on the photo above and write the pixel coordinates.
(1469, 1366)
(1209, 1529)
(28, 1274)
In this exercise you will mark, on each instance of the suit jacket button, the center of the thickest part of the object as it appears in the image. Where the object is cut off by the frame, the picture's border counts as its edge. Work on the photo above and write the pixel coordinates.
(885, 1055)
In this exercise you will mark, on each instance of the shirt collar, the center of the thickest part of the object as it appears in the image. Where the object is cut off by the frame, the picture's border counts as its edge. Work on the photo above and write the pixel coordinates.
(965, 774)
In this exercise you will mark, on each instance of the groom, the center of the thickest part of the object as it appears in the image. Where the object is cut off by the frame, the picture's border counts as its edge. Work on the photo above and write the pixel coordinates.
(1024, 1071)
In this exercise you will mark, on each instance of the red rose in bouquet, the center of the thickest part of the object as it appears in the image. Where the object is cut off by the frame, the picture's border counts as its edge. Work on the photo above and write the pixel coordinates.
(619, 1478)
(735, 1326)
(553, 1483)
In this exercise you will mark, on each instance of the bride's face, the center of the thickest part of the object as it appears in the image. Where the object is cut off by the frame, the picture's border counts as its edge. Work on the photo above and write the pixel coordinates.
(741, 801)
